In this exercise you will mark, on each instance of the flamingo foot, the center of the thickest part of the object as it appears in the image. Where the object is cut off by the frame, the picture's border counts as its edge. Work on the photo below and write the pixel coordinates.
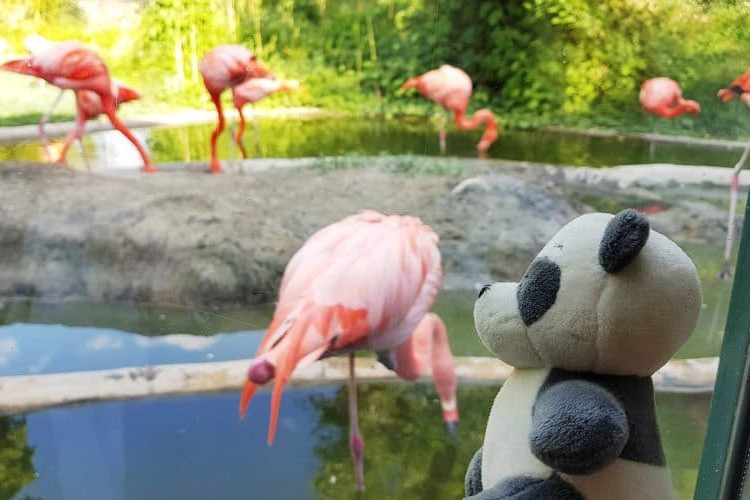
(215, 166)
(357, 449)
(725, 274)
(452, 428)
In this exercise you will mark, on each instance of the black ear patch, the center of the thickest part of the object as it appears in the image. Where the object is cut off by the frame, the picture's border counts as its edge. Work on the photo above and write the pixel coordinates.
(538, 289)
(624, 237)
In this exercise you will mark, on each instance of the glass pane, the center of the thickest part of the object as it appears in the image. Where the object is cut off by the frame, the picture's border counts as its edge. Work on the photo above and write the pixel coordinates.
(136, 289)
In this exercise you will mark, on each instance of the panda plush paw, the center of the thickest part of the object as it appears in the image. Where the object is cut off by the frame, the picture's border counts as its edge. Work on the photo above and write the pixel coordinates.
(530, 488)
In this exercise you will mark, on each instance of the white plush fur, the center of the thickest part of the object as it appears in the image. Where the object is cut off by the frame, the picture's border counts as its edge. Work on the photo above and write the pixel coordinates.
(625, 323)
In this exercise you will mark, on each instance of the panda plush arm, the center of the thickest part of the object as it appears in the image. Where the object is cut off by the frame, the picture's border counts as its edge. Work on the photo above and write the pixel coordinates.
(578, 427)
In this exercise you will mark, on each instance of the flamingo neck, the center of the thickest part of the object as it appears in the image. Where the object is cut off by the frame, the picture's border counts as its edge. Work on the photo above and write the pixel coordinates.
(482, 116)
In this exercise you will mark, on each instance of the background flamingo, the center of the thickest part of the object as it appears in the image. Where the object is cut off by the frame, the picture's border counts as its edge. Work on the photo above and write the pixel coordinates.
(366, 281)
(252, 91)
(740, 87)
(223, 67)
(89, 106)
(72, 65)
(451, 88)
(663, 97)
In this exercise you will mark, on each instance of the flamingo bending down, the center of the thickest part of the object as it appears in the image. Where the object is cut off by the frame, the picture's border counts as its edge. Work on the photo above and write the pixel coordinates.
(740, 87)
(366, 281)
(663, 97)
(224, 67)
(252, 91)
(89, 106)
(451, 88)
(72, 65)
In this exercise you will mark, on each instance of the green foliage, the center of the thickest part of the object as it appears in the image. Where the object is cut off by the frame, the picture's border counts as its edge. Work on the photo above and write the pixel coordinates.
(16, 467)
(576, 63)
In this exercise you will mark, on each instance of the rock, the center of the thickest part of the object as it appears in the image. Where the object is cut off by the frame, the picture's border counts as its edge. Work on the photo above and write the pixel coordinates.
(184, 237)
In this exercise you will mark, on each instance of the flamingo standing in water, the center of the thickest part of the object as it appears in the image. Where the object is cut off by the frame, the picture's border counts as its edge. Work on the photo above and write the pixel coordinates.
(252, 91)
(451, 88)
(366, 281)
(72, 65)
(224, 67)
(740, 87)
(89, 106)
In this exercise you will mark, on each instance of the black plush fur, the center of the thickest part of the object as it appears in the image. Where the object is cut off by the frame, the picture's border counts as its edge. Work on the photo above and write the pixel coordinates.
(537, 291)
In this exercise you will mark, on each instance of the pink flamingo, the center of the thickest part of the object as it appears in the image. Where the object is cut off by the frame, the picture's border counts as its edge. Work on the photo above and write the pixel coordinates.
(252, 91)
(451, 88)
(89, 106)
(366, 281)
(72, 65)
(224, 67)
(663, 97)
(740, 87)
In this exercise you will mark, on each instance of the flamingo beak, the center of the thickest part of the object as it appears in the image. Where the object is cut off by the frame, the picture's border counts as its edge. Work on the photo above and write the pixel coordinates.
(452, 428)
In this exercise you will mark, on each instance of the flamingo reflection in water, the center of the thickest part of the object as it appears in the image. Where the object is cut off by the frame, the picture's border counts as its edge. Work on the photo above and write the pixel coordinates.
(365, 282)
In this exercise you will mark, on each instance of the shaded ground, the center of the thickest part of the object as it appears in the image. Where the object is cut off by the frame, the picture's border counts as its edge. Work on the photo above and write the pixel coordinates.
(186, 237)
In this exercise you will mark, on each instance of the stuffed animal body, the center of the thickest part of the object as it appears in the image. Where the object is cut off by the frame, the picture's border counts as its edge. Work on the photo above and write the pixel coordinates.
(603, 306)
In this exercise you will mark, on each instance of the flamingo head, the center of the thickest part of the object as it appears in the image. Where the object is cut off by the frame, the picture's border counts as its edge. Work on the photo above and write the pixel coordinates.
(727, 95)
(22, 66)
(692, 106)
(257, 70)
(125, 94)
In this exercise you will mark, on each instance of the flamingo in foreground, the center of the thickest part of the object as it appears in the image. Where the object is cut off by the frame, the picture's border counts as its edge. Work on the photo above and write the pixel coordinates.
(451, 88)
(252, 91)
(72, 65)
(366, 281)
(740, 87)
(663, 97)
(224, 67)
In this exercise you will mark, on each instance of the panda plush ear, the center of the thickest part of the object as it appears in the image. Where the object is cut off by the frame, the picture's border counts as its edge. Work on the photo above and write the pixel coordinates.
(624, 237)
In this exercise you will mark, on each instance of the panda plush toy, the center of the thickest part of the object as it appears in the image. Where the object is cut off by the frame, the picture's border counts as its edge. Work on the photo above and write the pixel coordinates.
(602, 307)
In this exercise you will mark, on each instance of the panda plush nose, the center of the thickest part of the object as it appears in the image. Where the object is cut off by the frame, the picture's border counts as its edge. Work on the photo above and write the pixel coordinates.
(484, 289)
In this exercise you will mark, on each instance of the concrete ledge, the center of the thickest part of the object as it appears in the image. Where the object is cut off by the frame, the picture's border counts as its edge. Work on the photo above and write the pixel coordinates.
(36, 392)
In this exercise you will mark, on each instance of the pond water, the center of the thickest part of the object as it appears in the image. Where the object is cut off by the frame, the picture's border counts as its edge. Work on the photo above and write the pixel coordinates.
(196, 447)
(310, 137)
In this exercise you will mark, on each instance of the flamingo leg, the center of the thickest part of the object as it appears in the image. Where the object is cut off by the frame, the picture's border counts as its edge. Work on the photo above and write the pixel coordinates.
(356, 444)
(43, 122)
(428, 347)
(84, 154)
(215, 165)
(257, 133)
(108, 103)
(240, 133)
(733, 191)
(76, 134)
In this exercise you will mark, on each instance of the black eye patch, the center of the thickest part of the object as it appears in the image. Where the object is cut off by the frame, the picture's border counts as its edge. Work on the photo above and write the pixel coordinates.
(538, 289)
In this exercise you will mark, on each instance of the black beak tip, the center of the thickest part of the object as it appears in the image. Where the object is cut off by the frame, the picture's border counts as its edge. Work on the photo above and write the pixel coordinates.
(484, 289)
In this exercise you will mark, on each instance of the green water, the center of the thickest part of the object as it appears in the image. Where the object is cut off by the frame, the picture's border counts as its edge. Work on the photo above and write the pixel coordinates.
(294, 138)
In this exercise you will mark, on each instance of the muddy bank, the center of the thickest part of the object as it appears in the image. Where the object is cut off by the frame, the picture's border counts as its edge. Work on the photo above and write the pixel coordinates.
(186, 237)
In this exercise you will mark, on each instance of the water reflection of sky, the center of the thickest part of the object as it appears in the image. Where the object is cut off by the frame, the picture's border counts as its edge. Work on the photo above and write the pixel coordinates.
(186, 448)
(37, 348)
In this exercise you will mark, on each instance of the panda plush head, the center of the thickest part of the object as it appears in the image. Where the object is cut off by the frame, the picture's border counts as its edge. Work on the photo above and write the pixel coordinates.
(606, 295)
